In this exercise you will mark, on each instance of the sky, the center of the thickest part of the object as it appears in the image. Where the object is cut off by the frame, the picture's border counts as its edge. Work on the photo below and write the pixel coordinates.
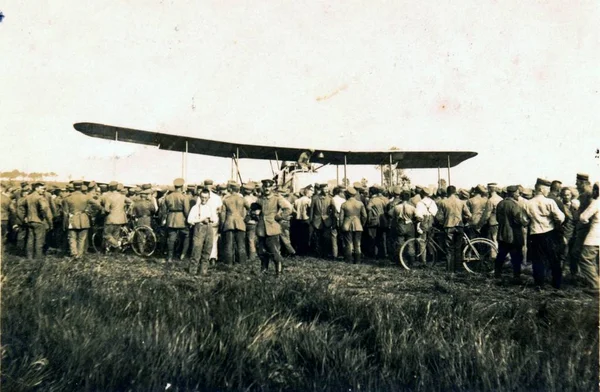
(516, 81)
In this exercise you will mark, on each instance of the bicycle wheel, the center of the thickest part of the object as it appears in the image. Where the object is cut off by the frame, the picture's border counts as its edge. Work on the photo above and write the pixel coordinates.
(477, 256)
(417, 252)
(98, 241)
(143, 241)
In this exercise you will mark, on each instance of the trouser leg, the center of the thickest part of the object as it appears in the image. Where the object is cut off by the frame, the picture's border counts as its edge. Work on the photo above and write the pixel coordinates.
(516, 259)
(262, 253)
(73, 248)
(503, 250)
(356, 239)
(334, 242)
(285, 237)
(493, 235)
(214, 254)
(251, 240)
(348, 246)
(111, 234)
(588, 266)
(185, 242)
(171, 239)
(240, 246)
(227, 238)
(82, 242)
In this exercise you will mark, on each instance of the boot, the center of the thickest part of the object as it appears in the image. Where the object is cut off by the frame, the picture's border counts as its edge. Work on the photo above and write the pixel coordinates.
(278, 267)
(357, 258)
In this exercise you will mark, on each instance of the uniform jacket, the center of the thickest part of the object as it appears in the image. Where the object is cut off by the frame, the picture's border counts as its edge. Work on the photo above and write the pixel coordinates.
(477, 208)
(320, 211)
(353, 215)
(511, 220)
(490, 210)
(376, 212)
(114, 206)
(451, 212)
(5, 206)
(273, 208)
(143, 210)
(34, 208)
(175, 210)
(234, 212)
(76, 210)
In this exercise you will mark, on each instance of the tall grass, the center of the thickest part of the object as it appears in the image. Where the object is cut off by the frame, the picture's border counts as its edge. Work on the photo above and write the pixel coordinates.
(123, 324)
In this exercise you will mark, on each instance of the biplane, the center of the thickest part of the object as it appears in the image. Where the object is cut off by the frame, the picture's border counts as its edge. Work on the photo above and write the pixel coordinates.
(291, 175)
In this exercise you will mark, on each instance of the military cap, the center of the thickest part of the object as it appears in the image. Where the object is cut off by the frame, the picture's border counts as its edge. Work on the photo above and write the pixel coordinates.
(103, 187)
(77, 183)
(357, 185)
(147, 186)
(248, 186)
(70, 187)
(231, 182)
(38, 183)
(418, 188)
(351, 191)
(83, 188)
(267, 183)
(120, 187)
(492, 184)
(527, 192)
(480, 188)
(135, 189)
(464, 193)
(145, 191)
(221, 187)
(396, 190)
(24, 183)
(542, 181)
(208, 182)
(583, 177)
(113, 184)
(512, 188)
(234, 187)
(427, 191)
(178, 182)
(92, 184)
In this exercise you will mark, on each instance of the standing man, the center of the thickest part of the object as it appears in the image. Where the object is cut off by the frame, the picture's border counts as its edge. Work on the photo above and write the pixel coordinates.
(428, 210)
(335, 209)
(301, 227)
(451, 212)
(175, 210)
(115, 204)
(272, 208)
(216, 203)
(202, 216)
(285, 224)
(249, 199)
(584, 188)
(588, 264)
(490, 214)
(376, 223)
(35, 213)
(4, 213)
(233, 213)
(143, 209)
(353, 216)
(511, 219)
(476, 206)
(544, 216)
(320, 219)
(404, 218)
(76, 209)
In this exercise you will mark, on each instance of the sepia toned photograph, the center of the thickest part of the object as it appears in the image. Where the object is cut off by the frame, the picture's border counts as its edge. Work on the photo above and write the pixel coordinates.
(300, 196)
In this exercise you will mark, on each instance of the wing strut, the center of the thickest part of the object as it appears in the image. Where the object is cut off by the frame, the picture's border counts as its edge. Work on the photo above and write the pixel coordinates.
(449, 171)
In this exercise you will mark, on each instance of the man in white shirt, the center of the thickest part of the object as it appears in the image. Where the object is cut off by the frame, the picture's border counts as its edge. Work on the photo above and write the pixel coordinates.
(545, 218)
(202, 216)
(216, 203)
(426, 208)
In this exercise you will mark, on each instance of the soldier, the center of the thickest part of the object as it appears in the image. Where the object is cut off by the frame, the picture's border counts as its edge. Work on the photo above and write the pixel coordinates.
(249, 199)
(511, 218)
(320, 219)
(174, 211)
(336, 206)
(202, 216)
(353, 216)
(588, 262)
(115, 208)
(285, 224)
(4, 213)
(477, 208)
(301, 222)
(35, 213)
(272, 208)
(76, 210)
(233, 213)
(404, 218)
(376, 223)
(143, 209)
(451, 212)
(490, 214)
(581, 229)
(544, 216)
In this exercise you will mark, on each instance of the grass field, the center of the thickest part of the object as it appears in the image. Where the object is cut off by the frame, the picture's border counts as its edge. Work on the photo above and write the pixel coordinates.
(121, 323)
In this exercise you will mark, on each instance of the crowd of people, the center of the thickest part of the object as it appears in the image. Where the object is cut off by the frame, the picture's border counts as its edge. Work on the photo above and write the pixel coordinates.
(554, 228)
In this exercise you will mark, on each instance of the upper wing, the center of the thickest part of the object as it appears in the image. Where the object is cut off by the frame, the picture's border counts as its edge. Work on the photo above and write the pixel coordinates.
(164, 141)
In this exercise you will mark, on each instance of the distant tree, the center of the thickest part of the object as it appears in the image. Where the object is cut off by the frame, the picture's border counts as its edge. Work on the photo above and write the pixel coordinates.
(36, 176)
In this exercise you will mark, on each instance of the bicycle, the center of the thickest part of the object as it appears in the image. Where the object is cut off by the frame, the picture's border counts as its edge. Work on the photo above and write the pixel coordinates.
(476, 253)
(140, 238)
